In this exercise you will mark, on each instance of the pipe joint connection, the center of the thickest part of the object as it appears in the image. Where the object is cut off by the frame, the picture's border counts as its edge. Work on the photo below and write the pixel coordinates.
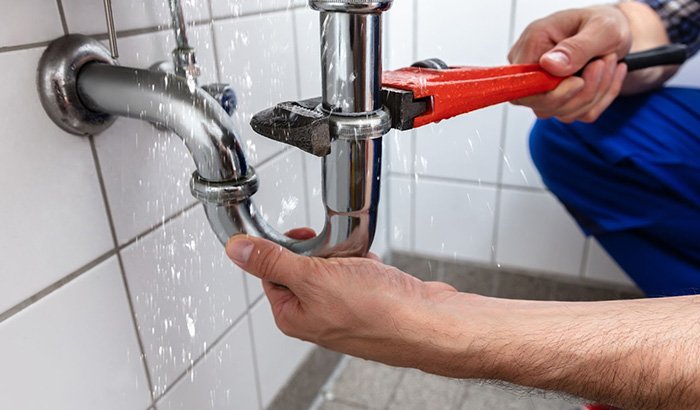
(224, 192)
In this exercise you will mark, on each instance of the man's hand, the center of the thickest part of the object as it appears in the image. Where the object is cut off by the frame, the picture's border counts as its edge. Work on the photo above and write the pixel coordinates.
(353, 305)
(637, 354)
(563, 44)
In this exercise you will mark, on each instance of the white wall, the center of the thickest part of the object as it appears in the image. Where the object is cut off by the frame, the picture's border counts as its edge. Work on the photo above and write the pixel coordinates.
(466, 188)
(113, 285)
(116, 295)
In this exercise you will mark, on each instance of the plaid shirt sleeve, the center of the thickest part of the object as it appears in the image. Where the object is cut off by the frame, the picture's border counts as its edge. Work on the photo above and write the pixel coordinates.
(682, 20)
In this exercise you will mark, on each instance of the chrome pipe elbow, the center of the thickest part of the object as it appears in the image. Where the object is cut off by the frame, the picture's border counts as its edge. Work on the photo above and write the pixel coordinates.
(172, 102)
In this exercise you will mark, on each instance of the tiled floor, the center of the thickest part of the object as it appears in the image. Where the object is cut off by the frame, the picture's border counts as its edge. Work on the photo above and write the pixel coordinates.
(367, 385)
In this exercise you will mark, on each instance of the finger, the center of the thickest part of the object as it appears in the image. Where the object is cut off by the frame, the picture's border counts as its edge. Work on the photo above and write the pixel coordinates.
(592, 77)
(613, 92)
(267, 260)
(301, 233)
(602, 89)
(554, 99)
(573, 53)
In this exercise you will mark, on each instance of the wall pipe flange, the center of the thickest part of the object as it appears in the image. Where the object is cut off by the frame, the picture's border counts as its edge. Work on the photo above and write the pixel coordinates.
(56, 81)
(224, 192)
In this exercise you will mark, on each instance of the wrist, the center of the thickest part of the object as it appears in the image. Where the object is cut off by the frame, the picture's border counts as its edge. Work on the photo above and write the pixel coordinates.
(463, 337)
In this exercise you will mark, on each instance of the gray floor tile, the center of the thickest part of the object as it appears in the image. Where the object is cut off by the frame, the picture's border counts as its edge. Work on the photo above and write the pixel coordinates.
(421, 391)
(578, 292)
(422, 268)
(480, 396)
(306, 383)
(339, 405)
(518, 286)
(472, 279)
(367, 383)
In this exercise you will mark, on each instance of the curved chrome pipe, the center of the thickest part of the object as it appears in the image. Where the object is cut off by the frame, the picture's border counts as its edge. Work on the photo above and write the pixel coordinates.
(172, 102)
(224, 182)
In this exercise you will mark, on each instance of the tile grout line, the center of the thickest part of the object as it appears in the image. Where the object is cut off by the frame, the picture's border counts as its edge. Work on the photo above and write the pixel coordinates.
(19, 307)
(217, 62)
(164, 222)
(22, 47)
(62, 15)
(501, 159)
(256, 366)
(151, 29)
(499, 189)
(127, 290)
(395, 391)
(414, 144)
(472, 182)
(304, 168)
(584, 257)
(201, 357)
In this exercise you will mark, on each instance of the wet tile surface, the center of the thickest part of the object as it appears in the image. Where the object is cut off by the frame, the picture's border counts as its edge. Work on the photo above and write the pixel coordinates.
(368, 386)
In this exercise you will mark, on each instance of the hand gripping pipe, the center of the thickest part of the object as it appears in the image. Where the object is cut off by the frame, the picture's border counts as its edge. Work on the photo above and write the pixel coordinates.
(81, 89)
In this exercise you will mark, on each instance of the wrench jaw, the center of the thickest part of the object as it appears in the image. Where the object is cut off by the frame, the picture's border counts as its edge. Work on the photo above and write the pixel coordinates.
(403, 108)
(301, 124)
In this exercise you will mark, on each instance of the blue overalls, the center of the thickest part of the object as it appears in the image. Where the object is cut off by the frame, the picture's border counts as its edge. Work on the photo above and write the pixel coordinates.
(632, 180)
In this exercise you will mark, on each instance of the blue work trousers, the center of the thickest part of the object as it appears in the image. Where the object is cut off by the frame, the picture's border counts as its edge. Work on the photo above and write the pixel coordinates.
(632, 180)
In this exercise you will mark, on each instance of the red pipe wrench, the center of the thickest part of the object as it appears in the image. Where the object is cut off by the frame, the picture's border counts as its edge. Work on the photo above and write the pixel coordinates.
(430, 91)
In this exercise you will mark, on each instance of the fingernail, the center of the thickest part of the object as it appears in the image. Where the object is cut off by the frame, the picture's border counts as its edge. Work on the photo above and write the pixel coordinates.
(240, 250)
(558, 57)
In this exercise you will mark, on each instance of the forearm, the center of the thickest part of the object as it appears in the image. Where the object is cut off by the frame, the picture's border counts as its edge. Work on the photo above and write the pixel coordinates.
(633, 354)
(647, 32)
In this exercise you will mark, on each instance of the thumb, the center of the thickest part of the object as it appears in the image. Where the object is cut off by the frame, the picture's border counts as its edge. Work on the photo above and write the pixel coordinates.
(267, 260)
(573, 53)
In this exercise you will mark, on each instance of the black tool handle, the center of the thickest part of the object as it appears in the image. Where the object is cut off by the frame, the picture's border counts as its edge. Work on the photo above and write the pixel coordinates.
(671, 54)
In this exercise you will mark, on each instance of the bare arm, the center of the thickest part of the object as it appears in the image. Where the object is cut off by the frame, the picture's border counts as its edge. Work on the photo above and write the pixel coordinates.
(641, 354)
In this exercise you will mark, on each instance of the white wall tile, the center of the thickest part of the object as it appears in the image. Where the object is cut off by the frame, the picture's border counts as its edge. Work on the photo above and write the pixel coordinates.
(278, 356)
(466, 147)
(380, 246)
(527, 11)
(88, 16)
(51, 211)
(688, 75)
(454, 220)
(16, 29)
(398, 151)
(147, 171)
(400, 33)
(281, 200)
(224, 379)
(226, 8)
(399, 213)
(600, 266)
(308, 51)
(518, 168)
(75, 349)
(257, 57)
(536, 232)
(185, 292)
(464, 32)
